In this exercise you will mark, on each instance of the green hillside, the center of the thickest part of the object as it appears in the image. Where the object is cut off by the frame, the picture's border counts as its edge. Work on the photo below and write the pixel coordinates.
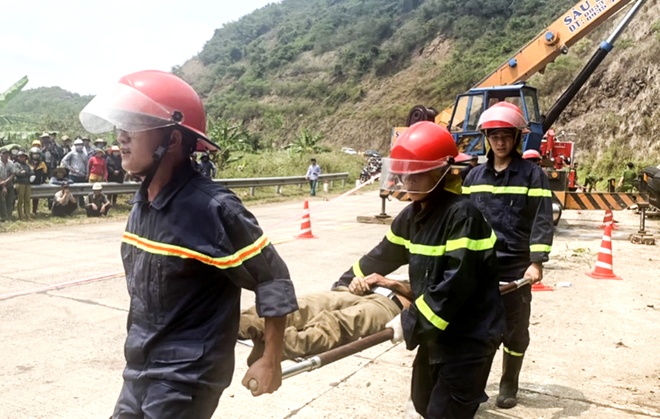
(333, 73)
(313, 63)
(45, 108)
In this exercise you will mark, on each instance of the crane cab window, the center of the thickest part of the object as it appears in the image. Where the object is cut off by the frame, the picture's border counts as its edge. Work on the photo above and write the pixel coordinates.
(467, 111)
(526, 101)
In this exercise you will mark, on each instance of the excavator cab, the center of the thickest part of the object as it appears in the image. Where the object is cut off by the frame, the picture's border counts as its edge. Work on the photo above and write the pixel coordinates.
(469, 106)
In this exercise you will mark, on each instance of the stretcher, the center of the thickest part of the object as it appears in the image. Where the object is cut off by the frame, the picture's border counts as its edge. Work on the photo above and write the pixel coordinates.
(328, 357)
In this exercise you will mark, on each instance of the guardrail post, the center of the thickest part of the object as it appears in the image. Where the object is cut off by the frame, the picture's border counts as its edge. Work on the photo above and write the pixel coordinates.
(325, 187)
(252, 190)
(278, 189)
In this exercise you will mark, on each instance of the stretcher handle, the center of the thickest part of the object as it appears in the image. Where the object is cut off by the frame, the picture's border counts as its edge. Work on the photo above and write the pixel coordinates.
(508, 287)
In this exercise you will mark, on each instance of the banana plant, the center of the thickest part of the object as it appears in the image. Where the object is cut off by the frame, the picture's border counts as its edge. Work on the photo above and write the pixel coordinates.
(8, 95)
(12, 91)
(307, 142)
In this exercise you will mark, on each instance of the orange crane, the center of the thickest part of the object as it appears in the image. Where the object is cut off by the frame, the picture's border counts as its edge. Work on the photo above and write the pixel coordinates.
(506, 83)
(556, 39)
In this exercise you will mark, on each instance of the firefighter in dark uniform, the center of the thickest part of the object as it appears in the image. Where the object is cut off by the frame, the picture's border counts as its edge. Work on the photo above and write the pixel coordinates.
(188, 249)
(457, 319)
(514, 196)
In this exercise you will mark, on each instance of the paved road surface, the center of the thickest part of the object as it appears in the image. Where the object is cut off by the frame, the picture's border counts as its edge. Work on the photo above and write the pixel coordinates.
(62, 348)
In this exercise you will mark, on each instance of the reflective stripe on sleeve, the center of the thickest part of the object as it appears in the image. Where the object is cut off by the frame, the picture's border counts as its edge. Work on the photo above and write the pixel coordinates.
(540, 192)
(224, 262)
(450, 246)
(394, 239)
(356, 269)
(540, 248)
(471, 244)
(428, 313)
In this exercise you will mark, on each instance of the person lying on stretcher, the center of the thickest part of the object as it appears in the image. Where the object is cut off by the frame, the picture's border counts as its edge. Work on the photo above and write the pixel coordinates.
(325, 320)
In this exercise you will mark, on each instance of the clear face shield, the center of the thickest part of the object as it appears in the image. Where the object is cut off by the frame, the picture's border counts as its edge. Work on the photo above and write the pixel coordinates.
(413, 176)
(126, 109)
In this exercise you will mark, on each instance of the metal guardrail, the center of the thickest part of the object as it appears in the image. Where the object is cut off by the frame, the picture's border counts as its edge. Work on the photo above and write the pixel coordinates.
(83, 189)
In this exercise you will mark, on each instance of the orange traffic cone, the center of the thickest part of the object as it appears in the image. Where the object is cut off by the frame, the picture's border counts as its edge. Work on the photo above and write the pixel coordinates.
(541, 287)
(603, 268)
(306, 225)
(608, 219)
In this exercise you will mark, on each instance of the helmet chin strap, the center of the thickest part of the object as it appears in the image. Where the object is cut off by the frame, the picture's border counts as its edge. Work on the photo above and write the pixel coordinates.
(156, 157)
(435, 187)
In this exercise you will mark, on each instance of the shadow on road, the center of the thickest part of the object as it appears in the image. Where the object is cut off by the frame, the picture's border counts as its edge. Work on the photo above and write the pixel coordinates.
(550, 401)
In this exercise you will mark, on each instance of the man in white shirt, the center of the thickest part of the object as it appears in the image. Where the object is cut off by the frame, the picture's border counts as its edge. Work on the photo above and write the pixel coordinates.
(313, 172)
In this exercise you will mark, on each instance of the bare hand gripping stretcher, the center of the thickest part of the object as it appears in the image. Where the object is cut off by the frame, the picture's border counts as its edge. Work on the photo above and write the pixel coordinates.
(328, 357)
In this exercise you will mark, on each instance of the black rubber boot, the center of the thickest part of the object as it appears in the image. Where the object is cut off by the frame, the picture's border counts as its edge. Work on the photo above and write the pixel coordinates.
(511, 366)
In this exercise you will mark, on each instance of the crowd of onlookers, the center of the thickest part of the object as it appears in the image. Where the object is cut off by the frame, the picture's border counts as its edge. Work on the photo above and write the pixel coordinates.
(62, 163)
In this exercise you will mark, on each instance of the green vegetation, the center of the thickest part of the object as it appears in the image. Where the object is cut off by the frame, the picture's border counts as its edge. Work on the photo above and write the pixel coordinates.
(309, 76)
(11, 93)
(43, 109)
(366, 36)
(316, 53)
(277, 163)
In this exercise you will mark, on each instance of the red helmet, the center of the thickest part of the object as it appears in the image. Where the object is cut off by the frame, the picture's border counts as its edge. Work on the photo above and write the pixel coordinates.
(531, 154)
(147, 100)
(422, 147)
(502, 115)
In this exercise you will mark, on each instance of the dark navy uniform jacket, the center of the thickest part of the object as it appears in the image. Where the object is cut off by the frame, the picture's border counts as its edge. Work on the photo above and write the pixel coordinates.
(517, 202)
(187, 255)
(453, 274)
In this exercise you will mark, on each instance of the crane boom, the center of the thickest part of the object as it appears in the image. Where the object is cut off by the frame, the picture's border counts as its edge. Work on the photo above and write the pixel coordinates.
(573, 25)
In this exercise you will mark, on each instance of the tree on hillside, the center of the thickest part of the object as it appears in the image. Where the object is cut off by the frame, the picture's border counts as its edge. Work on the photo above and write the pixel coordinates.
(230, 137)
(9, 94)
(306, 142)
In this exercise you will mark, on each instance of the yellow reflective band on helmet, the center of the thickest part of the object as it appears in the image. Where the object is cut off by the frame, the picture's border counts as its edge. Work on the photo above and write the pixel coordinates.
(426, 311)
(540, 248)
(543, 193)
(356, 269)
(450, 246)
(225, 262)
(512, 353)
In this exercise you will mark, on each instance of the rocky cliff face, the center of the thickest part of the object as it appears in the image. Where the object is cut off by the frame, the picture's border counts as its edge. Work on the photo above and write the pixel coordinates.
(616, 115)
(614, 118)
